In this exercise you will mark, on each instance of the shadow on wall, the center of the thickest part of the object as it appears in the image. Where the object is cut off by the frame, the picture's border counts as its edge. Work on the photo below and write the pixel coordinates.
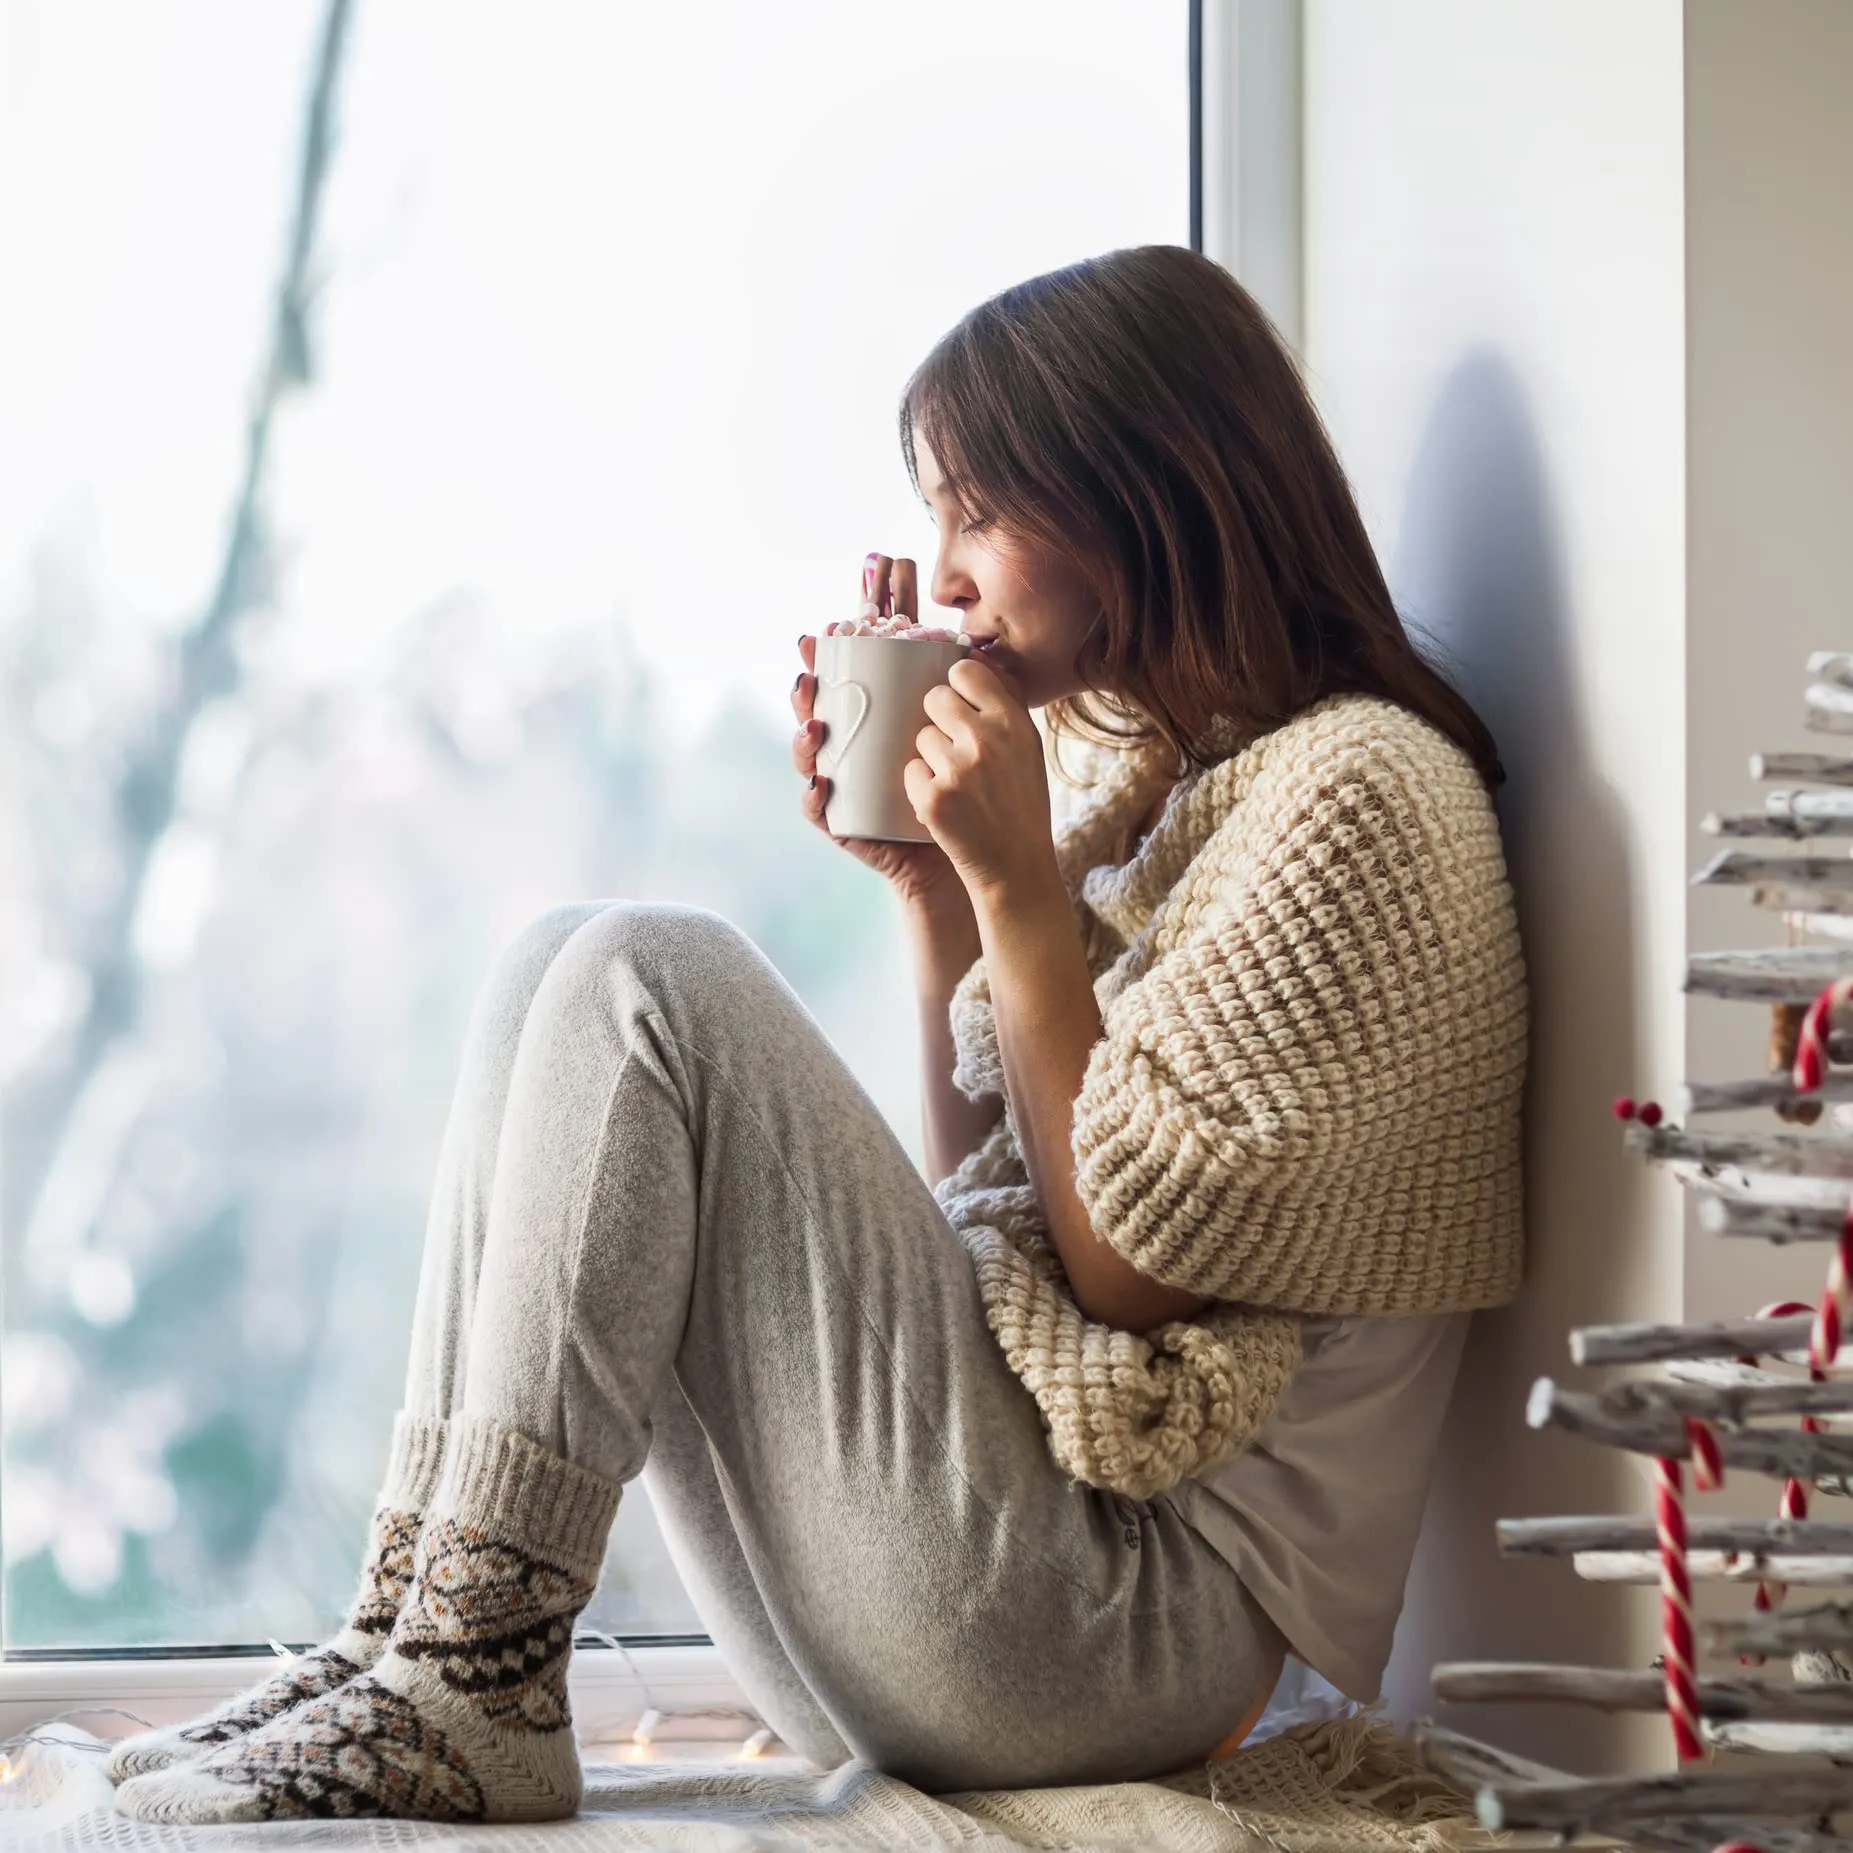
(1479, 573)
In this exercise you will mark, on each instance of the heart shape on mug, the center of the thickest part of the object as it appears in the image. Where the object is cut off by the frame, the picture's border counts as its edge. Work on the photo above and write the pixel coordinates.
(833, 746)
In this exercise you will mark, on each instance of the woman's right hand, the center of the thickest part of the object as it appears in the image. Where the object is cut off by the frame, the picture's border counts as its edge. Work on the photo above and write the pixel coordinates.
(921, 873)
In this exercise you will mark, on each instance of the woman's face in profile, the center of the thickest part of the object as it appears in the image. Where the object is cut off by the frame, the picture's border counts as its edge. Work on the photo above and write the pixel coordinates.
(1030, 608)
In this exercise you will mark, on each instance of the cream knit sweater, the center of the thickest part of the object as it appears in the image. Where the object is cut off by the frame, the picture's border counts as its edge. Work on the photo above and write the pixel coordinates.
(1306, 1100)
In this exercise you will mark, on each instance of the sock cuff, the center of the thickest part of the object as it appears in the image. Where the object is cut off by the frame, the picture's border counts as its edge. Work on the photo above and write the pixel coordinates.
(414, 1462)
(521, 1493)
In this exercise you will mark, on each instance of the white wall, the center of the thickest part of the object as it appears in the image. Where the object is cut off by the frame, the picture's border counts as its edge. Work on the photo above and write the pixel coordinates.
(1769, 267)
(1494, 326)
(1769, 329)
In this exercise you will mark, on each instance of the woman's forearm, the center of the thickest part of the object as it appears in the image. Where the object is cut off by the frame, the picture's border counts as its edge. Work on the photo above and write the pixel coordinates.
(944, 940)
(1047, 1024)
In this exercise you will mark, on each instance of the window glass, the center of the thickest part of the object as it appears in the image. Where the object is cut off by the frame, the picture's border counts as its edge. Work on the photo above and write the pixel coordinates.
(606, 315)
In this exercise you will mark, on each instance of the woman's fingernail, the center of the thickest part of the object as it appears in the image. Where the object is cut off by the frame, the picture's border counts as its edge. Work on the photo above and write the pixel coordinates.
(797, 682)
(813, 783)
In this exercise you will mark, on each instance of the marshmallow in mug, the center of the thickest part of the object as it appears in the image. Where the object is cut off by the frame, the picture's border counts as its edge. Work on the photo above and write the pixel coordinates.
(871, 623)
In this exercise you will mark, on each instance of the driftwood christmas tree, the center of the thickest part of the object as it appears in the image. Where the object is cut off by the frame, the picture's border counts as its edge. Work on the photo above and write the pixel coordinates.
(1764, 1394)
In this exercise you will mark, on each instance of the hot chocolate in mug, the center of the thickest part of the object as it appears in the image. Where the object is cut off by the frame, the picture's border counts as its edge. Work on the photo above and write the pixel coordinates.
(871, 696)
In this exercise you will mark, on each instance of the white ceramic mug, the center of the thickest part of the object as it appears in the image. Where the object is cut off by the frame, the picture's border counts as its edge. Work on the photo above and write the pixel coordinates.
(871, 695)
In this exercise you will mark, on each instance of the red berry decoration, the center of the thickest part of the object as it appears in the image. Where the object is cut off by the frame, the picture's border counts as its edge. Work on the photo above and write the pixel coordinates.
(1651, 1114)
(1625, 1108)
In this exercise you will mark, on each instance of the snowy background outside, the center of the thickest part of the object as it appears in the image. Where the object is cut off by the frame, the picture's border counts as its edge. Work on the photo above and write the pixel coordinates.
(583, 412)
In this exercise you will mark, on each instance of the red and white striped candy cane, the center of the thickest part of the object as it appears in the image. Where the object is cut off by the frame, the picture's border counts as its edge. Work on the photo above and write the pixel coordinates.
(1811, 1043)
(1830, 1318)
(1682, 1702)
(1794, 1502)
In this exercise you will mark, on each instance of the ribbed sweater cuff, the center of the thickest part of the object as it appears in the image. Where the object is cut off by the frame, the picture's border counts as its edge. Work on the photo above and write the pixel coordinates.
(518, 1492)
(414, 1462)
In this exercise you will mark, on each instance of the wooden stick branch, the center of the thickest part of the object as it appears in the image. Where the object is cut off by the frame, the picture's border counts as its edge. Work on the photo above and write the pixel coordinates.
(1562, 1537)
(1764, 1091)
(1834, 1741)
(1469, 1763)
(1783, 1631)
(1827, 708)
(1726, 1402)
(1808, 768)
(1649, 1343)
(1810, 803)
(1736, 868)
(1762, 1450)
(1834, 666)
(1777, 975)
(1723, 1373)
(1716, 1567)
(1599, 1801)
(1611, 1689)
(1780, 1223)
(1792, 824)
(1788, 898)
(1788, 1154)
(1472, 1765)
(1706, 1833)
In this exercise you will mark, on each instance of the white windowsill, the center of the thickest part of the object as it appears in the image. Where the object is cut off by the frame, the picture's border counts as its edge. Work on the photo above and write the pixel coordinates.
(608, 1691)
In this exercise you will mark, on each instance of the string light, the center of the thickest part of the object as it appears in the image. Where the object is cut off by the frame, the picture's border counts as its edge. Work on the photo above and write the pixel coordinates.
(643, 1736)
(14, 1766)
(642, 1747)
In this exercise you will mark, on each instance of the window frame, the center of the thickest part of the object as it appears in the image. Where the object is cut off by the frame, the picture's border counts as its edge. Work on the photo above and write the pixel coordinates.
(611, 1688)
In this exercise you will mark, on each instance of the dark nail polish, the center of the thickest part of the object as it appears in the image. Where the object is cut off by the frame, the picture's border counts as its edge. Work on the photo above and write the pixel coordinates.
(797, 681)
(813, 785)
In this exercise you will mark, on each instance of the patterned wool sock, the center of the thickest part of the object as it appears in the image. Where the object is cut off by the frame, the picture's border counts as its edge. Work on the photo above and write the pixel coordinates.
(464, 1717)
(411, 1478)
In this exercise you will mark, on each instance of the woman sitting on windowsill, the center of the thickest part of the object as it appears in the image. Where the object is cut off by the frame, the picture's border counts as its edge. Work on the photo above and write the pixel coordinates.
(1032, 1477)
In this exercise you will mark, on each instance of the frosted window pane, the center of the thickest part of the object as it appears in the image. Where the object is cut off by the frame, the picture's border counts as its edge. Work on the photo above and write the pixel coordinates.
(613, 306)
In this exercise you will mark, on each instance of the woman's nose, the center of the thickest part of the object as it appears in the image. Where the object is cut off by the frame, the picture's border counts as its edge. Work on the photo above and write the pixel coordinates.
(951, 587)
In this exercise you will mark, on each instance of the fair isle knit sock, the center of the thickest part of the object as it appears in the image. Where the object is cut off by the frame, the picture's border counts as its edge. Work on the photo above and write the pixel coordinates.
(464, 1717)
(411, 1478)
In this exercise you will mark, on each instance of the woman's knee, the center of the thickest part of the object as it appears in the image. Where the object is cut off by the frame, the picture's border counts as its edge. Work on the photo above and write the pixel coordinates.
(503, 1003)
(687, 948)
(682, 960)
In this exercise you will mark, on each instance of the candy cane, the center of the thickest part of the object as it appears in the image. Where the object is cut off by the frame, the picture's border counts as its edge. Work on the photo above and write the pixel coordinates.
(1811, 1044)
(1682, 1704)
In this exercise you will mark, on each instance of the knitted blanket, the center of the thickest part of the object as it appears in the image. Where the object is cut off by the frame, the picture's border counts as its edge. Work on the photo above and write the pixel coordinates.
(1344, 1785)
(1306, 1100)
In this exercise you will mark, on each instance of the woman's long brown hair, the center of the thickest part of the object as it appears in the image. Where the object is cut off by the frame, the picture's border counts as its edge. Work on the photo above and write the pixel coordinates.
(1138, 412)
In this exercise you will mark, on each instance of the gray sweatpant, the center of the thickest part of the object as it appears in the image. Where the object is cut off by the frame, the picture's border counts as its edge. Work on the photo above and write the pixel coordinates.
(671, 1235)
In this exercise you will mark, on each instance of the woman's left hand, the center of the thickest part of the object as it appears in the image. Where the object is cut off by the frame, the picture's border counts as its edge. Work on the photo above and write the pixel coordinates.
(981, 785)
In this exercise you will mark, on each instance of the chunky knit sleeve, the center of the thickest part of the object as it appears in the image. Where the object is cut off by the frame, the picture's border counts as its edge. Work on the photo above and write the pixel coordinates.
(1310, 1102)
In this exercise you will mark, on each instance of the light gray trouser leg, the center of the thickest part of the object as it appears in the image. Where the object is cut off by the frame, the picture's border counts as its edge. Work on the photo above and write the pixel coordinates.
(681, 1240)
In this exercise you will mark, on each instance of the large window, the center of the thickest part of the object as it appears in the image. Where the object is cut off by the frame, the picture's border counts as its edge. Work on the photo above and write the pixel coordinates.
(399, 534)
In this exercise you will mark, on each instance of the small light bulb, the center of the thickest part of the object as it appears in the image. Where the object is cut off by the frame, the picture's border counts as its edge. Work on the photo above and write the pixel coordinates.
(8, 1769)
(644, 1735)
(755, 1746)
